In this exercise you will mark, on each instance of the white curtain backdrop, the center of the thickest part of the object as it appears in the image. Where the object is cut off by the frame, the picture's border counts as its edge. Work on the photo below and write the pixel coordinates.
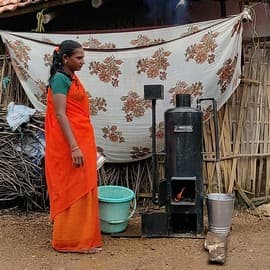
(202, 59)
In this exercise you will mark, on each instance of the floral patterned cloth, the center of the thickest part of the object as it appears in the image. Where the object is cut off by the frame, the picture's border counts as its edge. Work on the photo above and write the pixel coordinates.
(203, 59)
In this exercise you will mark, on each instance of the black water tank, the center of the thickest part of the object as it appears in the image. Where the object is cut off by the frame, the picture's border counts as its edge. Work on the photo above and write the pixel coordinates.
(183, 139)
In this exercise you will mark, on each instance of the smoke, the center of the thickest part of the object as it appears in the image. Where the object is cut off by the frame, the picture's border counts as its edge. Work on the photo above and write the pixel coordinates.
(168, 12)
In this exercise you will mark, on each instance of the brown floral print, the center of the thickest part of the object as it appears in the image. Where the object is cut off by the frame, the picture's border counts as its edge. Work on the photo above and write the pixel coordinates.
(226, 73)
(159, 130)
(139, 152)
(48, 58)
(236, 28)
(191, 29)
(21, 52)
(97, 104)
(20, 71)
(108, 70)
(42, 96)
(143, 40)
(203, 51)
(113, 134)
(94, 43)
(156, 66)
(207, 113)
(134, 105)
(195, 90)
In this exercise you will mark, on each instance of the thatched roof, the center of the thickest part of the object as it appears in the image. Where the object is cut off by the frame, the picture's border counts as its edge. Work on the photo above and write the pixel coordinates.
(10, 8)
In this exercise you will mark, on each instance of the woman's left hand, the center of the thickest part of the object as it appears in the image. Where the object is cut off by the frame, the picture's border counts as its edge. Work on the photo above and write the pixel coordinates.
(77, 158)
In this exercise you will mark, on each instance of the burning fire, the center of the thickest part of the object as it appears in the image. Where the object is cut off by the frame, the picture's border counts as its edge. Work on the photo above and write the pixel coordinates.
(179, 196)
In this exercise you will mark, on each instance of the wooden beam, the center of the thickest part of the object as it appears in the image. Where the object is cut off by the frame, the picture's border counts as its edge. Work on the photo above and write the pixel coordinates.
(37, 7)
(216, 244)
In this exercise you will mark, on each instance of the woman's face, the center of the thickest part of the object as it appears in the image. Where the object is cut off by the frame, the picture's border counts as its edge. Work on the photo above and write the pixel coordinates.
(76, 60)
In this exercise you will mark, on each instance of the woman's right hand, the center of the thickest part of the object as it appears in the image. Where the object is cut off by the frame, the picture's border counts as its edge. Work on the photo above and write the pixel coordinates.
(77, 158)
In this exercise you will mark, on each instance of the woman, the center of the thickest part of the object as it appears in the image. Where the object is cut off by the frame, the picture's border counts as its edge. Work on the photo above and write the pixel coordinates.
(70, 157)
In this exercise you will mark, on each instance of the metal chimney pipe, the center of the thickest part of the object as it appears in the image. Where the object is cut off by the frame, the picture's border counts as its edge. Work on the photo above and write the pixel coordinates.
(183, 100)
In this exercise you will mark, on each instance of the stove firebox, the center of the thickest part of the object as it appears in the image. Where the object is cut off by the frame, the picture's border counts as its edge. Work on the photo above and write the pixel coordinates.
(183, 167)
(178, 199)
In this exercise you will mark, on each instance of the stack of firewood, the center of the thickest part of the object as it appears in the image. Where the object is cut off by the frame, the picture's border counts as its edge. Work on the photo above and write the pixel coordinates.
(21, 178)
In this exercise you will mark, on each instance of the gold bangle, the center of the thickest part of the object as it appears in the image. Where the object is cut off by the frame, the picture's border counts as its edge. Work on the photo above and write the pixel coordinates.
(74, 148)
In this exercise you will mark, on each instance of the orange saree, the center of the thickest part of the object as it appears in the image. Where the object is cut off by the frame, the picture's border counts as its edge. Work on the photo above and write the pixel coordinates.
(72, 191)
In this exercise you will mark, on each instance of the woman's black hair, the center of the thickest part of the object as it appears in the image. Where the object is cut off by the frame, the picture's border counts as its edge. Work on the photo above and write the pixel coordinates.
(67, 47)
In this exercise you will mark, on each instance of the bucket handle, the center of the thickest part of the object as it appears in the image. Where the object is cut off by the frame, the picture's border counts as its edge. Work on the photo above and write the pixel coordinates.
(123, 220)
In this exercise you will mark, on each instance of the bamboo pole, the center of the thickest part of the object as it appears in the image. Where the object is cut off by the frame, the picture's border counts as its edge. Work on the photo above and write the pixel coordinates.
(224, 144)
(2, 77)
(239, 156)
(209, 167)
(263, 121)
(238, 136)
(257, 92)
(267, 90)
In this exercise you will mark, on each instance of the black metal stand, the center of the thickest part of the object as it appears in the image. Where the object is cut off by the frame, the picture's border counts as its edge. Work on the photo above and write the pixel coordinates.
(154, 92)
(154, 220)
(155, 193)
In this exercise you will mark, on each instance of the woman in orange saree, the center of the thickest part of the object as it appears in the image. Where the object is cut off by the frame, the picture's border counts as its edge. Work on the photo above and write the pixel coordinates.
(70, 156)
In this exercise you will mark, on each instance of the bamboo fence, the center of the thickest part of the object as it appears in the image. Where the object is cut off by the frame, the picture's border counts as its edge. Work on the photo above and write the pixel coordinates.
(244, 126)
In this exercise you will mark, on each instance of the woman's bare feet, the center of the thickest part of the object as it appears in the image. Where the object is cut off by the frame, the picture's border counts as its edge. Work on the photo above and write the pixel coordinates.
(82, 251)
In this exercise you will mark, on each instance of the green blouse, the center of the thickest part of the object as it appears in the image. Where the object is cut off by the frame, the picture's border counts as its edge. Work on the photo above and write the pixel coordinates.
(60, 83)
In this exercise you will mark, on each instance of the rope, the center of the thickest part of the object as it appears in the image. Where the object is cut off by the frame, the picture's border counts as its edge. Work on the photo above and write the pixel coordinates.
(40, 21)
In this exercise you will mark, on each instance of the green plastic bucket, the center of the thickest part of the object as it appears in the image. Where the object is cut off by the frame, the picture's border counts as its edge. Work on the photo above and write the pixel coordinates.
(117, 205)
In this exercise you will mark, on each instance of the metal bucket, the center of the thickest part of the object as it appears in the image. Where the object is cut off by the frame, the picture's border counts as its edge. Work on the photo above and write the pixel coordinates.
(220, 208)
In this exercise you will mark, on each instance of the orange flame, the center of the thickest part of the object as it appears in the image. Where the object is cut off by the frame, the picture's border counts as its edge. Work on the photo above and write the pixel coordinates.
(179, 195)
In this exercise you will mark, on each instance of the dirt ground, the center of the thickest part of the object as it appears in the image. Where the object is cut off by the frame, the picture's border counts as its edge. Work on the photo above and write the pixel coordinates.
(25, 245)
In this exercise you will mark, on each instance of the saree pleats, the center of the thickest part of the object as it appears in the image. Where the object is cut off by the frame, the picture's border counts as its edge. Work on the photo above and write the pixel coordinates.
(77, 228)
